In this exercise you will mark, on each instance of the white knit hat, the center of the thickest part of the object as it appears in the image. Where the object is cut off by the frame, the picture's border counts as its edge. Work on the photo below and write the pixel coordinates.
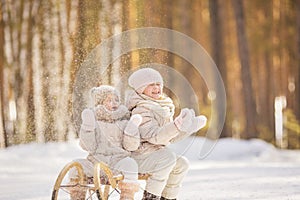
(99, 94)
(139, 79)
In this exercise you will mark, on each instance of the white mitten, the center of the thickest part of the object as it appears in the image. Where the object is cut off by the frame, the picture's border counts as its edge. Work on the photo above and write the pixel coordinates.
(133, 124)
(193, 113)
(183, 120)
(88, 120)
(197, 123)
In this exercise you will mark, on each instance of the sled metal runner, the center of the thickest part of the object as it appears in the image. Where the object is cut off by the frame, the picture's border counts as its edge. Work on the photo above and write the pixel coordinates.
(99, 187)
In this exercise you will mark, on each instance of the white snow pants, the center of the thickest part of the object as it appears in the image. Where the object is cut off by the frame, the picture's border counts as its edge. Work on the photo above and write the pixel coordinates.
(167, 172)
(127, 166)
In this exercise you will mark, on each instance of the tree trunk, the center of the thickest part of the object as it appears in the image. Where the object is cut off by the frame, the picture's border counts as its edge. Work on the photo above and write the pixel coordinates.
(217, 40)
(61, 120)
(39, 82)
(125, 59)
(270, 93)
(69, 27)
(250, 106)
(30, 129)
(3, 138)
(107, 31)
(297, 76)
(87, 20)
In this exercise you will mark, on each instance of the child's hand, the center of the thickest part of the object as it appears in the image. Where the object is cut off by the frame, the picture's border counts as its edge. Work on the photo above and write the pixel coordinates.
(136, 119)
(88, 119)
(133, 125)
(183, 120)
(197, 123)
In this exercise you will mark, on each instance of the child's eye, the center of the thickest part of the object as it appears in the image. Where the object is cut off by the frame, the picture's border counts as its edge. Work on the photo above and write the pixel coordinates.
(155, 84)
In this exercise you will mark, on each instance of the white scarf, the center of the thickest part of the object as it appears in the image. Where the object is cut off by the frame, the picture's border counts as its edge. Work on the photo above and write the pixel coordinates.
(164, 106)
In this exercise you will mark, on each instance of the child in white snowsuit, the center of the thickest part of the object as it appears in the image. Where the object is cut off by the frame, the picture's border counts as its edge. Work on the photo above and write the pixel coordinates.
(157, 130)
(108, 135)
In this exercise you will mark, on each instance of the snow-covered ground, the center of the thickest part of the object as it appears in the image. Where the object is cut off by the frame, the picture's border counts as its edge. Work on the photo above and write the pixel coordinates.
(234, 170)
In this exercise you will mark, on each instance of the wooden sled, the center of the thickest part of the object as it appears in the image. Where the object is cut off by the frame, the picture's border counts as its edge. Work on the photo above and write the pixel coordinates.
(99, 187)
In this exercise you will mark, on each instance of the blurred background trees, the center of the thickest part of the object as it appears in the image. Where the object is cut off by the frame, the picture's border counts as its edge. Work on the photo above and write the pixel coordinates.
(255, 44)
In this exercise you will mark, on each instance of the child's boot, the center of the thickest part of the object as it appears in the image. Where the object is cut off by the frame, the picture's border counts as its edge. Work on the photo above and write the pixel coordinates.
(128, 189)
(149, 196)
(163, 198)
(76, 193)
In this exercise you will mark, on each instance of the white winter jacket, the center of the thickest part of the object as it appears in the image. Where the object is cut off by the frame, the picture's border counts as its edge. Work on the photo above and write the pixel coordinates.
(157, 128)
(108, 142)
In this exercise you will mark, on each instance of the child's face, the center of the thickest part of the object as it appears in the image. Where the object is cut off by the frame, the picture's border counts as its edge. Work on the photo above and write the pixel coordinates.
(153, 90)
(111, 102)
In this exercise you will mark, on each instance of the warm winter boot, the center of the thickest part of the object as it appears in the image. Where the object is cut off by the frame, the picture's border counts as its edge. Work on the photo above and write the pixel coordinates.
(76, 193)
(149, 196)
(163, 198)
(128, 189)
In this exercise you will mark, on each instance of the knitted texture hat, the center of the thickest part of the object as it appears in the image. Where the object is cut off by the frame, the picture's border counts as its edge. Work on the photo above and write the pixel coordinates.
(139, 79)
(99, 94)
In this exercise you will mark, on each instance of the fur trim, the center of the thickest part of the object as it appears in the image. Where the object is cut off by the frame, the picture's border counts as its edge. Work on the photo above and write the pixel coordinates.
(99, 94)
(102, 114)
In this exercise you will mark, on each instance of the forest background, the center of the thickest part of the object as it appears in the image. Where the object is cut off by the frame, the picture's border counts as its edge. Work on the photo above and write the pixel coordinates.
(255, 45)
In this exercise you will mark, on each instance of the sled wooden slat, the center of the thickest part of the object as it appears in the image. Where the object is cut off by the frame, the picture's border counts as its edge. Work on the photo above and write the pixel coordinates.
(63, 173)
